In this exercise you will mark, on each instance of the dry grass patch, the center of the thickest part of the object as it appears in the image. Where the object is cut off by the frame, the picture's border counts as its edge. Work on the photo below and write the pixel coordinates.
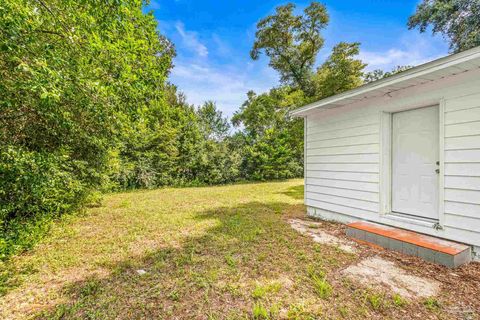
(197, 253)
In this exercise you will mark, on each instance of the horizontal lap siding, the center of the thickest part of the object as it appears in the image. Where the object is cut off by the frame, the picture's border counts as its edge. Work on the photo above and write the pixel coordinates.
(370, 196)
(364, 140)
(344, 158)
(462, 129)
(358, 149)
(333, 182)
(459, 156)
(346, 132)
(344, 176)
(461, 209)
(351, 211)
(462, 165)
(344, 167)
(342, 163)
(462, 143)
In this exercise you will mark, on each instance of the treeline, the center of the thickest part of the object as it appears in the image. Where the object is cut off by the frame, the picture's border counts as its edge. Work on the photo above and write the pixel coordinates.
(86, 107)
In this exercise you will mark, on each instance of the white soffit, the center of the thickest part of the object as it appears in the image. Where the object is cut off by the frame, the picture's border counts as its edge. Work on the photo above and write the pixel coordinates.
(428, 72)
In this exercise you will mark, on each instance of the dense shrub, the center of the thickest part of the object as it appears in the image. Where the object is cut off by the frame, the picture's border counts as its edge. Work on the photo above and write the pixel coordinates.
(78, 81)
(271, 157)
(85, 106)
(272, 140)
(34, 187)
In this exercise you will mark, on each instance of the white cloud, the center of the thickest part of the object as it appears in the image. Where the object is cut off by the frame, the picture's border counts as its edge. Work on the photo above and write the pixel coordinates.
(412, 50)
(190, 40)
(226, 81)
(225, 85)
(222, 48)
(222, 75)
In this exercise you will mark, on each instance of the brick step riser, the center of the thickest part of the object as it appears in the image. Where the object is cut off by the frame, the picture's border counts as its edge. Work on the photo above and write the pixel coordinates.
(449, 260)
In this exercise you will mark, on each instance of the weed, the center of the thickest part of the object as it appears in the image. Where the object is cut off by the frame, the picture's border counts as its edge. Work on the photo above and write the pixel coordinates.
(261, 257)
(375, 300)
(233, 289)
(90, 288)
(318, 248)
(432, 304)
(343, 310)
(231, 262)
(254, 234)
(399, 301)
(322, 287)
(302, 256)
(125, 204)
(174, 295)
(298, 312)
(212, 316)
(315, 271)
(261, 290)
(259, 312)
(184, 259)
(274, 311)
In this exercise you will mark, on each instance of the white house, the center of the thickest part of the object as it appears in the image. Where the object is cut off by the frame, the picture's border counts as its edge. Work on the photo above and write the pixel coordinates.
(403, 151)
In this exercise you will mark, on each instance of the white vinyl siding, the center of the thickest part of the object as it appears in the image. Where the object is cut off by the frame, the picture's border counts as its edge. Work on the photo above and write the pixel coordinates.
(344, 176)
(348, 150)
(333, 182)
(342, 157)
(466, 183)
(462, 164)
(462, 143)
(344, 153)
(345, 209)
(467, 129)
(343, 142)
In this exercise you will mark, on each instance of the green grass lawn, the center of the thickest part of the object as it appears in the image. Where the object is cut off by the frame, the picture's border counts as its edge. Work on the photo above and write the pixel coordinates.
(222, 252)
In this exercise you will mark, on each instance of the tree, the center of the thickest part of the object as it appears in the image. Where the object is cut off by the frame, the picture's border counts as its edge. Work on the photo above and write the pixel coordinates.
(259, 113)
(272, 141)
(292, 42)
(457, 20)
(213, 124)
(340, 72)
(272, 157)
(77, 81)
(378, 74)
(218, 158)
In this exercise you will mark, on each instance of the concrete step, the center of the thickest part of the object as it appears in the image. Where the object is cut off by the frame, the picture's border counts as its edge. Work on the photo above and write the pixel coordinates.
(444, 252)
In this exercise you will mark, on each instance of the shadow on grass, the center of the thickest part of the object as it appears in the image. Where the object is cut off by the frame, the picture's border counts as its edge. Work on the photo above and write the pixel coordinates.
(207, 275)
(295, 192)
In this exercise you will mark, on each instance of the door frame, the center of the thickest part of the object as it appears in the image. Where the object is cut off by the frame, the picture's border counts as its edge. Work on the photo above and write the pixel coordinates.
(385, 209)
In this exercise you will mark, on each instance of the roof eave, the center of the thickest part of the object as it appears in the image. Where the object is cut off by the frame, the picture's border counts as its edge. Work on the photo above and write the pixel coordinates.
(412, 73)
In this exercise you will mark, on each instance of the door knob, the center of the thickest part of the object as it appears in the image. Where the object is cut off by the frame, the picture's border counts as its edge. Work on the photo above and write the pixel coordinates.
(438, 163)
(437, 170)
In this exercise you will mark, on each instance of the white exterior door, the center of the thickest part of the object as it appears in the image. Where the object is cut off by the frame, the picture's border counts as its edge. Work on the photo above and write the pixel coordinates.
(415, 152)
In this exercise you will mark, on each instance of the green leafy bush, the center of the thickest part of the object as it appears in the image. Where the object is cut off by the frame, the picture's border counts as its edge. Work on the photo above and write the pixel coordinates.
(34, 188)
(78, 83)
(85, 106)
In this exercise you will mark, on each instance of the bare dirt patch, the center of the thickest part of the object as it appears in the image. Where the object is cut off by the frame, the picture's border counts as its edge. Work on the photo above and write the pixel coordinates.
(373, 271)
(456, 296)
(313, 229)
(224, 252)
(382, 273)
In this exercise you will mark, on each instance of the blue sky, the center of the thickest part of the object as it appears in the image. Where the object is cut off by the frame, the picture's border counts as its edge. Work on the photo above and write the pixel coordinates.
(213, 40)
